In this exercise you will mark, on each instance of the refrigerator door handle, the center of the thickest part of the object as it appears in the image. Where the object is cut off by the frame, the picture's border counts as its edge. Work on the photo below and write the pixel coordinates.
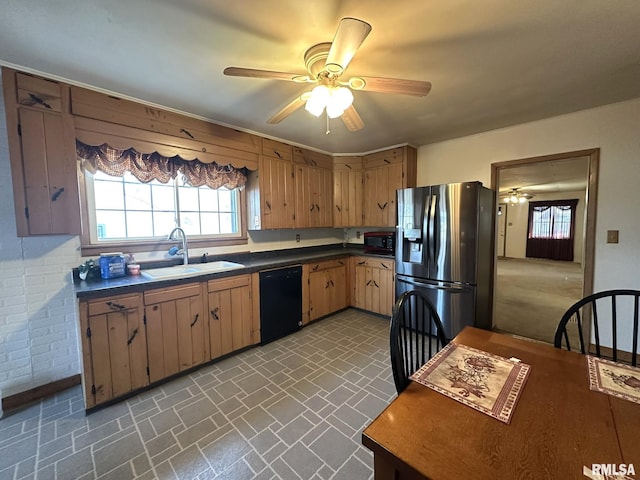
(431, 229)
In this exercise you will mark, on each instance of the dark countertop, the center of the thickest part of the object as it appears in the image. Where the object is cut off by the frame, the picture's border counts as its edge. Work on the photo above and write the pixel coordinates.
(253, 262)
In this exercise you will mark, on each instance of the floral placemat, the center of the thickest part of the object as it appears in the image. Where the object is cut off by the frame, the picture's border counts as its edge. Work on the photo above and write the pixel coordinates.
(485, 382)
(622, 381)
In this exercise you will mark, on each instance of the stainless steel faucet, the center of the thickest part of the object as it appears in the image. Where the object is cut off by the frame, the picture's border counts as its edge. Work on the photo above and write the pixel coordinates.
(184, 251)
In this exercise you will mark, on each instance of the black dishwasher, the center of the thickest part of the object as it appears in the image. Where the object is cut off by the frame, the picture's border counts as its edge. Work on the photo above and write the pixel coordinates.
(280, 303)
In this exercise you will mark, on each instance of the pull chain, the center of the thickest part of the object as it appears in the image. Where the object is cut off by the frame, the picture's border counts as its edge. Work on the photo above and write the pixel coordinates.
(328, 130)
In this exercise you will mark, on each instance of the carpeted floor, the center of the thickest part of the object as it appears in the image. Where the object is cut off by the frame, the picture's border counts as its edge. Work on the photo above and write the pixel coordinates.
(533, 294)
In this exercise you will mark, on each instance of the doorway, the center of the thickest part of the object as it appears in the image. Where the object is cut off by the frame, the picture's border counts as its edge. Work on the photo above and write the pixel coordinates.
(531, 294)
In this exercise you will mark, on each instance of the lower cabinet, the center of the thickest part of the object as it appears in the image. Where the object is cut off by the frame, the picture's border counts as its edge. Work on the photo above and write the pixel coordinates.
(114, 347)
(231, 325)
(175, 329)
(372, 288)
(327, 287)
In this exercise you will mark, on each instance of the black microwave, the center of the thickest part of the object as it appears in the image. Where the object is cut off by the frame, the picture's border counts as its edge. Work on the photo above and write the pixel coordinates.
(380, 242)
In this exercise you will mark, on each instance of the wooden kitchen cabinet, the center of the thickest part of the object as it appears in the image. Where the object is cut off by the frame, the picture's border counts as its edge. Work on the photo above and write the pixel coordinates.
(373, 284)
(231, 322)
(348, 196)
(327, 287)
(43, 155)
(176, 335)
(384, 173)
(271, 189)
(114, 347)
(314, 193)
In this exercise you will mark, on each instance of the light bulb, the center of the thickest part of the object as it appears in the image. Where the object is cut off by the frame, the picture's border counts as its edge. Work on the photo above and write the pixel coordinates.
(522, 199)
(319, 98)
(513, 198)
(342, 97)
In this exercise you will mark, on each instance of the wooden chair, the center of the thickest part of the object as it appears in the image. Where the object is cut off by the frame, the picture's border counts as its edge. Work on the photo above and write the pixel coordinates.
(416, 335)
(617, 309)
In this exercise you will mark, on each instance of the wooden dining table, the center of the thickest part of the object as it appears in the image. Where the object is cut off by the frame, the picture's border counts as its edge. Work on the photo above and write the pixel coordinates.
(558, 427)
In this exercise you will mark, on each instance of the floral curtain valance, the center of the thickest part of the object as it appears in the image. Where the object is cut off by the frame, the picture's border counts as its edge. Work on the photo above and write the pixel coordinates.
(147, 167)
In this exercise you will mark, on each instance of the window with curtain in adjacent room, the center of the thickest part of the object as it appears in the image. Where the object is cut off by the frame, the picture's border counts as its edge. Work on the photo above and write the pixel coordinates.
(551, 229)
(135, 198)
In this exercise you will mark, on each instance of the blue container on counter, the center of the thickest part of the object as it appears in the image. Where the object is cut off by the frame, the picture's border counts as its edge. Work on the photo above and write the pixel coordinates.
(112, 265)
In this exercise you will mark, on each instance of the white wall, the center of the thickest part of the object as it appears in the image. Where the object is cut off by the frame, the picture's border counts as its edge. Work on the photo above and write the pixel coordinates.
(615, 129)
(518, 223)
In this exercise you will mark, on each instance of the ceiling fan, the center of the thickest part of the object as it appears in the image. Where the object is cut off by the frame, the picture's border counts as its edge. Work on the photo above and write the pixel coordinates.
(516, 196)
(325, 64)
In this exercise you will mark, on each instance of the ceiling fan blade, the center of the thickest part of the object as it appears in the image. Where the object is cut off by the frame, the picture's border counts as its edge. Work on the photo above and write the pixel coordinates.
(352, 120)
(254, 73)
(349, 36)
(390, 85)
(288, 109)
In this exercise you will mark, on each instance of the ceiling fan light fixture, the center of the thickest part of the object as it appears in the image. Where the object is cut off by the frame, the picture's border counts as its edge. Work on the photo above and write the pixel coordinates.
(335, 99)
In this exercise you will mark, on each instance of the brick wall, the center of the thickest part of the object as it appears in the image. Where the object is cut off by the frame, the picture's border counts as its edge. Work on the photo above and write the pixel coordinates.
(38, 327)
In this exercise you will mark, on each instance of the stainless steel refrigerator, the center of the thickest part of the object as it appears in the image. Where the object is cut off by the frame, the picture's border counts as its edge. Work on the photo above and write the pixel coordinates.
(444, 247)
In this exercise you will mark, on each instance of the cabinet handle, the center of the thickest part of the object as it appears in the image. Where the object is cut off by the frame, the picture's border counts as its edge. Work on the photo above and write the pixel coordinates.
(348, 166)
(115, 306)
(57, 193)
(277, 153)
(340, 262)
(327, 285)
(369, 283)
(214, 313)
(338, 208)
(268, 205)
(195, 320)
(383, 265)
(311, 209)
(385, 160)
(317, 207)
(39, 101)
(375, 284)
(315, 268)
(362, 262)
(332, 284)
(133, 335)
(382, 207)
(182, 130)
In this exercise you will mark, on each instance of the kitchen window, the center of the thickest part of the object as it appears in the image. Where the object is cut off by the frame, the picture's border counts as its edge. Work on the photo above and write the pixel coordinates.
(134, 205)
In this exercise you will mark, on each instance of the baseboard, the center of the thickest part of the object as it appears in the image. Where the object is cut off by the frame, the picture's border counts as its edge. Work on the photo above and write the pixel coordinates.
(24, 398)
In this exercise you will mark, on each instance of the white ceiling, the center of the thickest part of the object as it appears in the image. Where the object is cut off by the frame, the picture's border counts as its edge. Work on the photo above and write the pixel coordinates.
(565, 175)
(492, 63)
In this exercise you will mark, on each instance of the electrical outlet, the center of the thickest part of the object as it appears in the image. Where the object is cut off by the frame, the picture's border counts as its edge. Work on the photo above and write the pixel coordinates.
(298, 237)
(612, 236)
(357, 234)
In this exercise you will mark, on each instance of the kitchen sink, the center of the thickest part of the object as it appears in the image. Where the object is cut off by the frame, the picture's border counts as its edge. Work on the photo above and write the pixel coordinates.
(183, 271)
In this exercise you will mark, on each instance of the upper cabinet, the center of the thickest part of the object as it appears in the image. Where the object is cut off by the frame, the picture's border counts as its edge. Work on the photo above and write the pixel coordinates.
(42, 151)
(384, 173)
(348, 197)
(313, 180)
(271, 190)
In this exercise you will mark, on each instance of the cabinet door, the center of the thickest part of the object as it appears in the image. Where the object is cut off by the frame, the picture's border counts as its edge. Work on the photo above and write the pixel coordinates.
(348, 199)
(230, 315)
(337, 278)
(114, 348)
(278, 193)
(386, 291)
(380, 187)
(175, 330)
(320, 292)
(42, 152)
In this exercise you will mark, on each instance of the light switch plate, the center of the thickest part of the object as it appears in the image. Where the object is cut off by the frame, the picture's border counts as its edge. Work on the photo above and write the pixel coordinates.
(612, 236)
